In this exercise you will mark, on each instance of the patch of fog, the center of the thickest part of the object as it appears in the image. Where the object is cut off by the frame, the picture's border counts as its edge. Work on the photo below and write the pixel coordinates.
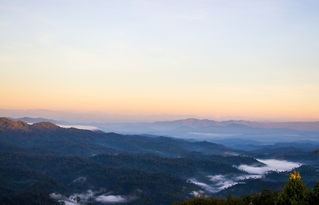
(112, 199)
(90, 196)
(248, 176)
(221, 182)
(204, 186)
(198, 193)
(230, 154)
(79, 180)
(270, 165)
(56, 196)
(82, 127)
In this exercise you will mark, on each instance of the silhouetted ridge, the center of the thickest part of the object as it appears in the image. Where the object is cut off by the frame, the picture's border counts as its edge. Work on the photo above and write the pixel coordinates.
(190, 122)
(37, 120)
(12, 125)
(71, 141)
(7, 124)
(44, 125)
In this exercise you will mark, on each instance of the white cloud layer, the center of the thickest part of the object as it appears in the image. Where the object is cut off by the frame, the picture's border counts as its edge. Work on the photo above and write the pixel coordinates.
(111, 199)
(90, 196)
(82, 127)
(221, 182)
(270, 165)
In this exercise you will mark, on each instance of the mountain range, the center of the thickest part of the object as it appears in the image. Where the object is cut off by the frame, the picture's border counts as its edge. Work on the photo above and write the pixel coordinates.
(232, 133)
(43, 163)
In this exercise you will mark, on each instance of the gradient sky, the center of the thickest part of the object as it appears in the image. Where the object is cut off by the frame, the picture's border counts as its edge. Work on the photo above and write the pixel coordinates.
(217, 59)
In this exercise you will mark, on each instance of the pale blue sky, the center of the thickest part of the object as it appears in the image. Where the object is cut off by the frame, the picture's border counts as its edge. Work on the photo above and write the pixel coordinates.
(152, 56)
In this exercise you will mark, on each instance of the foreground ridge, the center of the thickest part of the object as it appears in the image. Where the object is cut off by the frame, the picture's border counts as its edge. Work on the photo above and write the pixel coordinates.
(293, 193)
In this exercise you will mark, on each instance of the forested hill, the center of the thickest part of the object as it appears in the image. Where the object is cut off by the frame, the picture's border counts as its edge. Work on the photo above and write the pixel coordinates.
(47, 137)
(43, 163)
(293, 193)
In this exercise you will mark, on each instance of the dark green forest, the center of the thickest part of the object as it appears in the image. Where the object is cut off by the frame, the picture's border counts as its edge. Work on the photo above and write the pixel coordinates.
(44, 164)
(293, 193)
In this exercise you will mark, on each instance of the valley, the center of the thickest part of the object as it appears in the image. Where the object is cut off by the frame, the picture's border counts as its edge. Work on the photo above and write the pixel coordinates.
(74, 166)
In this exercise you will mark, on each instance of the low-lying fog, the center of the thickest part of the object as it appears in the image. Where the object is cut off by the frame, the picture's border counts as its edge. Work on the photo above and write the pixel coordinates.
(91, 196)
(221, 182)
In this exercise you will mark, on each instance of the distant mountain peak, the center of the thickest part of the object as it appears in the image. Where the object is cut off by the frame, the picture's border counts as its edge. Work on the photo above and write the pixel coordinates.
(38, 119)
(189, 122)
(195, 120)
(7, 124)
(13, 125)
(44, 125)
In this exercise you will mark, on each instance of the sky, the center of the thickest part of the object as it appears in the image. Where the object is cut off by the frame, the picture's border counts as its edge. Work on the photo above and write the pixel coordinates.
(137, 60)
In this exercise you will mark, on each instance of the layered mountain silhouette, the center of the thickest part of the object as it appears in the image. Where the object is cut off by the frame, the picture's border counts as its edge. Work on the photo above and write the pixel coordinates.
(50, 137)
(43, 160)
(40, 159)
(193, 122)
(7, 125)
(223, 132)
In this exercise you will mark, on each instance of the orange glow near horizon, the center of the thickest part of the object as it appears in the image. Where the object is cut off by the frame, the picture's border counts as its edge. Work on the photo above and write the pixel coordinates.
(239, 103)
(230, 60)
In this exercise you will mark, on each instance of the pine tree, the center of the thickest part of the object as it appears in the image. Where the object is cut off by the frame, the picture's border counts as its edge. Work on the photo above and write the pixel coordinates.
(294, 192)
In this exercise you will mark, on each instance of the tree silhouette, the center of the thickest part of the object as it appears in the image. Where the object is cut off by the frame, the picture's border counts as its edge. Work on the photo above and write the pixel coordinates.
(294, 192)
